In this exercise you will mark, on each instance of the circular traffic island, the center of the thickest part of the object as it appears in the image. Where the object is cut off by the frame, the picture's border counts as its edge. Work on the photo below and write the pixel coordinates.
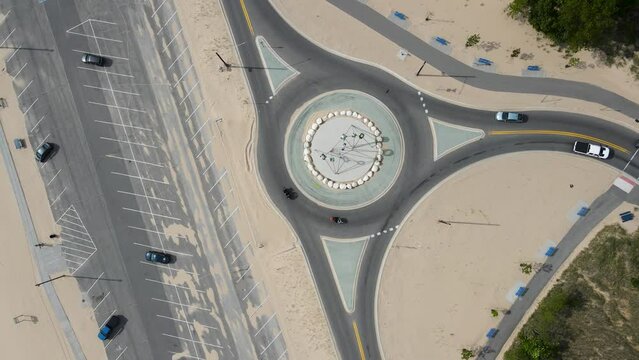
(344, 149)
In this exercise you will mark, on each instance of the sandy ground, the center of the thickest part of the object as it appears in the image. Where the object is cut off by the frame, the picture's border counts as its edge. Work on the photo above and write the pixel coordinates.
(280, 260)
(455, 21)
(436, 291)
(43, 339)
(611, 219)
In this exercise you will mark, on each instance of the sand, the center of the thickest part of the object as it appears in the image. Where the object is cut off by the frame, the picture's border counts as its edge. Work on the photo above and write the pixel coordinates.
(437, 290)
(280, 261)
(44, 338)
(455, 21)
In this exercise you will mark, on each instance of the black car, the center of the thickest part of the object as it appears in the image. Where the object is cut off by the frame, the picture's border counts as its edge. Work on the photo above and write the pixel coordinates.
(157, 257)
(93, 59)
(43, 152)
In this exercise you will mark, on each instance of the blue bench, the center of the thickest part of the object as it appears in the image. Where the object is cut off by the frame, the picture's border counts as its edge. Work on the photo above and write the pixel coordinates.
(399, 15)
(441, 40)
(521, 291)
(492, 333)
(551, 251)
(534, 68)
(626, 216)
(482, 61)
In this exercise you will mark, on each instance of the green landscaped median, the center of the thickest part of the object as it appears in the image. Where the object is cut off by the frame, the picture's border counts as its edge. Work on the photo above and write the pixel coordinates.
(593, 310)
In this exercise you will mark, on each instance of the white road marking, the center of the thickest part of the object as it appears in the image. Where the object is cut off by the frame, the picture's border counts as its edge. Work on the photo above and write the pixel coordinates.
(103, 21)
(220, 203)
(132, 160)
(74, 249)
(101, 301)
(241, 252)
(104, 72)
(171, 41)
(282, 355)
(53, 178)
(116, 107)
(271, 343)
(140, 178)
(152, 214)
(250, 291)
(194, 111)
(117, 91)
(43, 140)
(127, 142)
(95, 282)
(244, 273)
(228, 217)
(181, 304)
(203, 148)
(193, 341)
(58, 198)
(7, 38)
(19, 71)
(178, 58)
(260, 305)
(159, 7)
(184, 321)
(119, 356)
(168, 268)
(123, 125)
(264, 325)
(107, 318)
(232, 237)
(13, 54)
(145, 196)
(183, 75)
(95, 37)
(198, 130)
(167, 22)
(158, 248)
(177, 286)
(218, 180)
(36, 124)
(189, 92)
(208, 167)
(25, 89)
(30, 106)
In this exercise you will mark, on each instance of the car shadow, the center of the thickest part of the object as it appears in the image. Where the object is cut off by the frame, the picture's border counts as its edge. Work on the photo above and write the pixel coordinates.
(122, 320)
(107, 62)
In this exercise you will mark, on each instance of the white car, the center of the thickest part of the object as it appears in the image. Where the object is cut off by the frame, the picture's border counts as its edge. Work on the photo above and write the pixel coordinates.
(594, 150)
(510, 117)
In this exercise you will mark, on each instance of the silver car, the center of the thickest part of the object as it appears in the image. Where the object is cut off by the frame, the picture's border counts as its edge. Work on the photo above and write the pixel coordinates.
(510, 117)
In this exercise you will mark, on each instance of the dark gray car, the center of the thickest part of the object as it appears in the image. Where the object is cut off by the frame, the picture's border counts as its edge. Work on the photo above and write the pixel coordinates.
(43, 152)
(93, 59)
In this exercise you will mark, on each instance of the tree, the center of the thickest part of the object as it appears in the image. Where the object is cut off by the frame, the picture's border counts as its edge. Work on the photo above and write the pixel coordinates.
(494, 312)
(467, 354)
(473, 40)
(526, 268)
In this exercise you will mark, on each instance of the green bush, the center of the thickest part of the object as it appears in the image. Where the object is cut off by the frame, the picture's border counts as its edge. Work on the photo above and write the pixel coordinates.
(473, 40)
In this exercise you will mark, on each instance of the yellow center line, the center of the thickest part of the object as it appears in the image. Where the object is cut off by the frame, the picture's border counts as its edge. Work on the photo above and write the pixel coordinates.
(246, 16)
(560, 133)
(359, 341)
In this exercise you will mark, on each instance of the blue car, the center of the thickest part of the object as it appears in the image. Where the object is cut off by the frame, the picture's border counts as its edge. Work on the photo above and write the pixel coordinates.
(108, 330)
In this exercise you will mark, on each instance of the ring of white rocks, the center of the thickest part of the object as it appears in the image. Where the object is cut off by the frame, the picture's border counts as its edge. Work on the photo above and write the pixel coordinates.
(326, 180)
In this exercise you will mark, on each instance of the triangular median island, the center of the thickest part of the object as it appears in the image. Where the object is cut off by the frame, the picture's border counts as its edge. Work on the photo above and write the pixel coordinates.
(450, 137)
(345, 256)
(278, 71)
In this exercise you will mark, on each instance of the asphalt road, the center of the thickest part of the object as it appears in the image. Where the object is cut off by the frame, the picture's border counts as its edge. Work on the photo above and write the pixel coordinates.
(123, 178)
(320, 72)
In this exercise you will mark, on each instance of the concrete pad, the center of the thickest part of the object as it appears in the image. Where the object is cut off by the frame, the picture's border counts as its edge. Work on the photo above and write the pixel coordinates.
(345, 257)
(449, 137)
(278, 71)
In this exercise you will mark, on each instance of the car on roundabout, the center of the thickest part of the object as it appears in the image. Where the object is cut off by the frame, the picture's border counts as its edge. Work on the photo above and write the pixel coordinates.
(594, 150)
(510, 117)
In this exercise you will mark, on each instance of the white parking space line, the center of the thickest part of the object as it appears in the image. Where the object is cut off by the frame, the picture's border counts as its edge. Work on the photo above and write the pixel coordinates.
(101, 301)
(127, 142)
(53, 178)
(133, 160)
(151, 213)
(171, 41)
(30, 106)
(168, 268)
(163, 249)
(71, 222)
(178, 58)
(208, 167)
(140, 178)
(103, 21)
(189, 93)
(282, 355)
(241, 252)
(264, 325)
(78, 244)
(167, 22)
(123, 125)
(244, 274)
(104, 72)
(43, 140)
(74, 255)
(13, 53)
(7, 38)
(179, 304)
(186, 322)
(177, 286)
(117, 107)
(202, 151)
(94, 37)
(95, 282)
(198, 130)
(19, 71)
(183, 75)
(25, 89)
(78, 231)
(194, 111)
(105, 55)
(220, 203)
(232, 237)
(107, 318)
(228, 217)
(182, 355)
(271, 343)
(36, 124)
(74, 249)
(117, 91)
(218, 180)
(145, 196)
(58, 198)
(260, 306)
(193, 341)
(251, 291)
(76, 237)
(147, 230)
(119, 356)
(158, 9)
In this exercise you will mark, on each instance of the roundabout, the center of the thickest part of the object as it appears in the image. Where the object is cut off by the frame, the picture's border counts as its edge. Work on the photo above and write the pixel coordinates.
(344, 149)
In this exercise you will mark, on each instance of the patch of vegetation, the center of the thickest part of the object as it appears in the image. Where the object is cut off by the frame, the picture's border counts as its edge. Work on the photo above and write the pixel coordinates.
(473, 40)
(593, 311)
(515, 53)
(609, 26)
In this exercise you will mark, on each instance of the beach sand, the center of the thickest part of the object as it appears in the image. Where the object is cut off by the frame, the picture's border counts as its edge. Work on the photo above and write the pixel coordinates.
(439, 282)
